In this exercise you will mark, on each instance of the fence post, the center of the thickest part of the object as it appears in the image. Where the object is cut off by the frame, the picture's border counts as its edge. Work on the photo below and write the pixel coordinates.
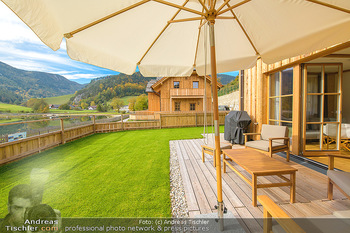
(122, 121)
(94, 122)
(62, 132)
(160, 120)
(196, 119)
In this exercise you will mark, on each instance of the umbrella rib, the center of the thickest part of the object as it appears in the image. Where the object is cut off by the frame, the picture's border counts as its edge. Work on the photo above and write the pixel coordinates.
(232, 7)
(330, 6)
(222, 6)
(185, 20)
(166, 26)
(199, 33)
(205, 8)
(179, 7)
(245, 32)
(70, 34)
(212, 7)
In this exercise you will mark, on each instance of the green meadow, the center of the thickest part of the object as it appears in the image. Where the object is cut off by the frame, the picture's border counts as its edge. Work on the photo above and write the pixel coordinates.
(13, 108)
(59, 99)
(123, 174)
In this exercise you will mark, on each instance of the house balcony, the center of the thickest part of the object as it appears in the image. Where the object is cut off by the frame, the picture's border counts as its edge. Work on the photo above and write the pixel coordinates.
(188, 93)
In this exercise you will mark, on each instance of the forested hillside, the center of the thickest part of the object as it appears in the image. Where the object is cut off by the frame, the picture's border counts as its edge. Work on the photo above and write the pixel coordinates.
(17, 85)
(101, 90)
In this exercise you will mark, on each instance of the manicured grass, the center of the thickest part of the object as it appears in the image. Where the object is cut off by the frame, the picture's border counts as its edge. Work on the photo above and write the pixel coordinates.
(13, 108)
(123, 174)
(59, 99)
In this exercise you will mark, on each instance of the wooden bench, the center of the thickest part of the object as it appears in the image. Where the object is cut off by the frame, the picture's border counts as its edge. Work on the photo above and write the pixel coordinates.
(258, 164)
(337, 222)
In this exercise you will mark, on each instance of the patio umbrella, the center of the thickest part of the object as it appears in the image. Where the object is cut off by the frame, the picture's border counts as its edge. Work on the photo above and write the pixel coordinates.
(167, 37)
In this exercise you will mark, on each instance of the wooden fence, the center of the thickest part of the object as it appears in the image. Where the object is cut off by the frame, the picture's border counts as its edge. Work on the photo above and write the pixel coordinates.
(10, 151)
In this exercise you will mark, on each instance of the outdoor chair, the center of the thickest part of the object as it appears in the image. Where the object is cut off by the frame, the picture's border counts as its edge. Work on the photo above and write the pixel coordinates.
(273, 138)
(330, 135)
(339, 179)
(209, 149)
(276, 220)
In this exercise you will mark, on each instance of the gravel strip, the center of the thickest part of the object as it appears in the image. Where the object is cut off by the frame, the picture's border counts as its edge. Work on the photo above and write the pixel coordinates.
(177, 193)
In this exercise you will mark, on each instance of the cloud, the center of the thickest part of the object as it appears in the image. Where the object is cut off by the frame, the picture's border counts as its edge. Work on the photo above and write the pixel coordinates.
(82, 76)
(13, 29)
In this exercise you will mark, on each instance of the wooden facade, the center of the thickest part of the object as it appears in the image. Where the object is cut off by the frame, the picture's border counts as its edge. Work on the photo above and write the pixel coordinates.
(260, 99)
(181, 94)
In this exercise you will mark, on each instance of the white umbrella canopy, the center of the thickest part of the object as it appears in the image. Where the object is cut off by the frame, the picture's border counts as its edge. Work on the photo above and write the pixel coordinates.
(138, 33)
(169, 37)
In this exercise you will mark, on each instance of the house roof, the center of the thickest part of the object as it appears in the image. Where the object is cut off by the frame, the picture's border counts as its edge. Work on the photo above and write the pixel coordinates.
(194, 73)
(150, 83)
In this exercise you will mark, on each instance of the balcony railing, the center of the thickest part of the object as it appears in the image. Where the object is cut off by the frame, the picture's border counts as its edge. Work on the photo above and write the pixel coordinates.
(186, 92)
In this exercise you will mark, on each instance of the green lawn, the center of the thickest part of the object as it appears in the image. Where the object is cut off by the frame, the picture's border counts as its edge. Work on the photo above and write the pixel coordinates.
(58, 99)
(13, 108)
(123, 174)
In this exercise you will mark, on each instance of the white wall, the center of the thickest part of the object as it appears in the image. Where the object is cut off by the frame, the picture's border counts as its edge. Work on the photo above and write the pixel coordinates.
(346, 97)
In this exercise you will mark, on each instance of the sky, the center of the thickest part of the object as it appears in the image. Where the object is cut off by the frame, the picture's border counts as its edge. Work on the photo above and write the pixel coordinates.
(22, 49)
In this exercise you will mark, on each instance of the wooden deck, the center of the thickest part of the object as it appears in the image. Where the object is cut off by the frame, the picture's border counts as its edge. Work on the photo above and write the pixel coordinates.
(199, 181)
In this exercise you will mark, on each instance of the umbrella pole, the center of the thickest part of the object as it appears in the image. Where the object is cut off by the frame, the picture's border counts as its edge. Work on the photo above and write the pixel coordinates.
(216, 124)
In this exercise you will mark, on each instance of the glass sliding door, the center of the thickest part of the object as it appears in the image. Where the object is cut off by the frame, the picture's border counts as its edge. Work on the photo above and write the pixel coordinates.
(321, 107)
(281, 98)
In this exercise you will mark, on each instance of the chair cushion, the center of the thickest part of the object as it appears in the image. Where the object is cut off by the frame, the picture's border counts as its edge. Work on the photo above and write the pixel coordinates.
(342, 179)
(274, 131)
(263, 145)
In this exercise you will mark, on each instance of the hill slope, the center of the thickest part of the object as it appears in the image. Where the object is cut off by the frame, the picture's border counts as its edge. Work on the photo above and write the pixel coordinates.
(16, 84)
(103, 89)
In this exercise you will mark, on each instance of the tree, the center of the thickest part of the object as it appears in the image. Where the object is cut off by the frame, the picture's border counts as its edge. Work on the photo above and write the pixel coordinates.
(102, 108)
(117, 103)
(38, 105)
(92, 103)
(84, 105)
(64, 107)
(132, 102)
(141, 103)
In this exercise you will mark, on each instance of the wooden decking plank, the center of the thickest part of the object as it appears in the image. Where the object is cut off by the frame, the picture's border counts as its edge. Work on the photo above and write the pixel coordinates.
(201, 198)
(234, 199)
(184, 153)
(193, 213)
(314, 184)
(189, 193)
(249, 220)
(292, 210)
(334, 205)
(209, 193)
(202, 201)
(208, 166)
(311, 189)
(311, 210)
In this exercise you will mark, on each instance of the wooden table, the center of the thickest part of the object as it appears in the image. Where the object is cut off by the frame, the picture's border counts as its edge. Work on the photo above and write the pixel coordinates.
(258, 164)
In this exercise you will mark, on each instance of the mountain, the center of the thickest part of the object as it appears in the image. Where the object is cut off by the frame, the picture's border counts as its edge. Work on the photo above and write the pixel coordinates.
(229, 88)
(225, 79)
(101, 90)
(17, 85)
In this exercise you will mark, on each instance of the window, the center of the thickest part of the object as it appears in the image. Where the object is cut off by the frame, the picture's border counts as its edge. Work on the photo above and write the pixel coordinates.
(177, 106)
(192, 106)
(176, 84)
(195, 84)
(281, 99)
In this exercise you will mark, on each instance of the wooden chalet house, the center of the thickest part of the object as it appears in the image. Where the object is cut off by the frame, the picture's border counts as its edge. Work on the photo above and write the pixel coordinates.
(310, 94)
(180, 94)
